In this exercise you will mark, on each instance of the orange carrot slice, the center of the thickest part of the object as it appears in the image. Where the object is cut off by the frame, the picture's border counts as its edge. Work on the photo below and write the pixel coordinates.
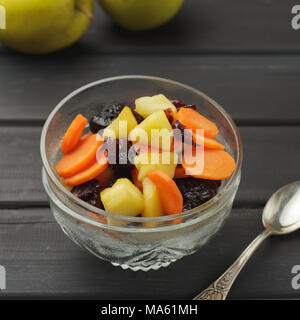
(88, 174)
(169, 194)
(136, 181)
(81, 157)
(207, 142)
(180, 173)
(194, 120)
(86, 136)
(73, 134)
(218, 165)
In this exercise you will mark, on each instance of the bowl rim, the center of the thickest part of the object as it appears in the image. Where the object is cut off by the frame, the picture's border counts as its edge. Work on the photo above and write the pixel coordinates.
(204, 208)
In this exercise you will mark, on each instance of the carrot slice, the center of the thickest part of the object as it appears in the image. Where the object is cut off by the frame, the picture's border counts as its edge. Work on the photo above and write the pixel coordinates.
(169, 194)
(207, 142)
(180, 173)
(86, 136)
(81, 157)
(136, 181)
(218, 165)
(73, 134)
(88, 174)
(194, 120)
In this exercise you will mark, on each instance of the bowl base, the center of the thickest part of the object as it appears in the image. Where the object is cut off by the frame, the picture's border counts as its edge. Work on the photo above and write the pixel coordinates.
(155, 266)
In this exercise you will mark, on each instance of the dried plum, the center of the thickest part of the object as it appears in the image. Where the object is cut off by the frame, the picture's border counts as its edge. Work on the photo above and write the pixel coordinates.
(196, 191)
(137, 116)
(106, 117)
(119, 152)
(89, 192)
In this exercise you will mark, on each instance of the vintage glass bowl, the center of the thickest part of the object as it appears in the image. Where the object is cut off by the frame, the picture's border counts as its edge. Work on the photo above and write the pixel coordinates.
(130, 245)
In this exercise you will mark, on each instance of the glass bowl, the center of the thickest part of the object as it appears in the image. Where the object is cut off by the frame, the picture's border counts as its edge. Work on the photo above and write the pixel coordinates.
(129, 244)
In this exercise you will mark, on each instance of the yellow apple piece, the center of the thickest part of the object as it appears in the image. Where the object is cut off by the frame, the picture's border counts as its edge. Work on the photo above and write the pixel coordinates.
(123, 198)
(147, 105)
(122, 125)
(155, 130)
(152, 205)
(148, 162)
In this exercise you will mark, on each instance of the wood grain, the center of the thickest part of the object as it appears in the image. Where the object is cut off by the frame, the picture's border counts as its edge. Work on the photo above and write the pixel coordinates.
(271, 160)
(42, 262)
(254, 90)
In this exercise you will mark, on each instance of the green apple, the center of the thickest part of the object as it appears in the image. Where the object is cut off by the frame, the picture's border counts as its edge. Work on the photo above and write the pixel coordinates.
(141, 14)
(42, 26)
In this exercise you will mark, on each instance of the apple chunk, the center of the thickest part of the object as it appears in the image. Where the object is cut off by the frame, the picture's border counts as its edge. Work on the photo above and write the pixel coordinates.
(147, 105)
(123, 198)
(122, 125)
(148, 162)
(152, 205)
(154, 130)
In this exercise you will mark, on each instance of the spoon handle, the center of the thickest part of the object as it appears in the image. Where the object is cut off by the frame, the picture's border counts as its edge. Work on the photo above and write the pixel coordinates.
(220, 288)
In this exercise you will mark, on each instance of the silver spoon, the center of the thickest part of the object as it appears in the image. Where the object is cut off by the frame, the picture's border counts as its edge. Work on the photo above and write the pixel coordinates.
(281, 215)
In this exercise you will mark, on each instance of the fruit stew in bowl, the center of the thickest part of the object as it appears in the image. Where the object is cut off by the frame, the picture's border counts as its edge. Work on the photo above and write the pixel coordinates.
(140, 171)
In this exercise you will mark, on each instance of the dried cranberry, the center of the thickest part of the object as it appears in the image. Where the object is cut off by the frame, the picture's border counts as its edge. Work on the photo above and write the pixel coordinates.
(178, 104)
(137, 116)
(182, 133)
(191, 106)
(169, 114)
(106, 117)
(89, 192)
(196, 191)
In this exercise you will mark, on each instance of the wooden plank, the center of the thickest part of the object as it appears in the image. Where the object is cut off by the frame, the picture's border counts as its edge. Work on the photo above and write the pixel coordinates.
(202, 26)
(252, 89)
(41, 262)
(271, 160)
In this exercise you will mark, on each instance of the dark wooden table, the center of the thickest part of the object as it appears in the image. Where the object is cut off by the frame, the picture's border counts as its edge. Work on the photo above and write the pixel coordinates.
(242, 53)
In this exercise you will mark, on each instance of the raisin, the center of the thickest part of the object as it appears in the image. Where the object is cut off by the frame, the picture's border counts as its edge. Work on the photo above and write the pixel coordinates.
(196, 191)
(105, 118)
(89, 192)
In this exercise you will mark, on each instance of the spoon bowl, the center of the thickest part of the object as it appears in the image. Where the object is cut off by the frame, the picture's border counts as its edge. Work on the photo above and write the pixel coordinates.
(281, 214)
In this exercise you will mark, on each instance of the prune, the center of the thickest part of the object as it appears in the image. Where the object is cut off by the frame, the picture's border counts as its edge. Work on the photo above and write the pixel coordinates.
(137, 116)
(89, 192)
(169, 114)
(196, 191)
(105, 118)
(119, 152)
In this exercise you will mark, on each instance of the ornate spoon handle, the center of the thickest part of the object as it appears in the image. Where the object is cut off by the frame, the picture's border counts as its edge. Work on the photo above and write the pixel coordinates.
(220, 288)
